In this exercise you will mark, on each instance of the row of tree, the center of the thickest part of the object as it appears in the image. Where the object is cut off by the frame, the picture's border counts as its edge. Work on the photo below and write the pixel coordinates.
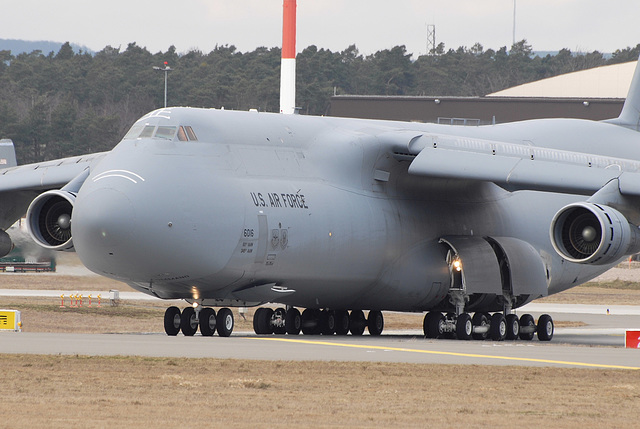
(65, 103)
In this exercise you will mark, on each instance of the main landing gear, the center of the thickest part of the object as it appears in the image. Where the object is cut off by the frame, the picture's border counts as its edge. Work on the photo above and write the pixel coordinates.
(191, 318)
(481, 326)
(280, 321)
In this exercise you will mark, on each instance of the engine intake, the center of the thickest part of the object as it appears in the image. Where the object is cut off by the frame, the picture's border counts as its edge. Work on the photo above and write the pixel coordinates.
(588, 233)
(49, 219)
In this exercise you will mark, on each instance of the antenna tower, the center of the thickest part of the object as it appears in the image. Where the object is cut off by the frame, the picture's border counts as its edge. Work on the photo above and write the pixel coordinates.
(431, 39)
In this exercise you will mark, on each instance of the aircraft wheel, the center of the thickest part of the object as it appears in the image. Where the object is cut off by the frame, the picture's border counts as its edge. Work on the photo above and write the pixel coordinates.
(435, 324)
(357, 322)
(513, 326)
(188, 323)
(224, 322)
(327, 322)
(293, 321)
(431, 324)
(545, 328)
(464, 327)
(479, 319)
(342, 322)
(310, 322)
(262, 321)
(526, 321)
(375, 322)
(207, 321)
(278, 321)
(172, 321)
(498, 328)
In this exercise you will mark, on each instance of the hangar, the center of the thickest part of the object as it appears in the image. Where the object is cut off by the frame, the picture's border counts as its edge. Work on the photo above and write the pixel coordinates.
(595, 94)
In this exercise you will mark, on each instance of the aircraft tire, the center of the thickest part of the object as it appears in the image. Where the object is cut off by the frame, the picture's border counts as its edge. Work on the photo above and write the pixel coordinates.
(342, 322)
(357, 322)
(434, 324)
(479, 319)
(172, 321)
(279, 317)
(224, 322)
(545, 328)
(375, 322)
(498, 330)
(310, 322)
(513, 327)
(464, 327)
(293, 321)
(207, 322)
(526, 320)
(327, 322)
(188, 323)
(262, 321)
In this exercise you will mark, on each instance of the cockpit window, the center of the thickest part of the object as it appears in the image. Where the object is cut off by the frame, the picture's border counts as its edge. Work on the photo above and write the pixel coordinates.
(134, 131)
(147, 131)
(182, 135)
(190, 133)
(142, 131)
(166, 133)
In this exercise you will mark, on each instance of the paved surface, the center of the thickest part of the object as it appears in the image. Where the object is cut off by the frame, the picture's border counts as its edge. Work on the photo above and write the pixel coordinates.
(599, 344)
(387, 348)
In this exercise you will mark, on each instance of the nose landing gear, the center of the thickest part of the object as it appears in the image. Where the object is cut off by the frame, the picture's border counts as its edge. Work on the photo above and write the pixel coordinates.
(191, 318)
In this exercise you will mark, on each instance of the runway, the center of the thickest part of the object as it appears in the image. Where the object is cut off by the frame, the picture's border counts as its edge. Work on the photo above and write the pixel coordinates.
(387, 348)
(597, 342)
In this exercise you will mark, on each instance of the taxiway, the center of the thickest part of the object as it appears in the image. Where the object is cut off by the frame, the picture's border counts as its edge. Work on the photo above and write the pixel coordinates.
(596, 341)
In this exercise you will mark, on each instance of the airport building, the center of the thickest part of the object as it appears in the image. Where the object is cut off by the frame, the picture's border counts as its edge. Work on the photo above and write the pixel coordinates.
(594, 94)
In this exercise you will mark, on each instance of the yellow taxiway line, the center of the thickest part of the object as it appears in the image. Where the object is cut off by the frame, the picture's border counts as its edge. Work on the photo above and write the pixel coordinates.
(432, 352)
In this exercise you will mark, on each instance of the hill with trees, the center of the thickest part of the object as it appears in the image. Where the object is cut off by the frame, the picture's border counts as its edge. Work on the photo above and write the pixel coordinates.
(68, 103)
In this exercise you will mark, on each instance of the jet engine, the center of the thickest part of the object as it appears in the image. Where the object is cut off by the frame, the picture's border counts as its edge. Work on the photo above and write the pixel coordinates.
(6, 245)
(49, 219)
(588, 233)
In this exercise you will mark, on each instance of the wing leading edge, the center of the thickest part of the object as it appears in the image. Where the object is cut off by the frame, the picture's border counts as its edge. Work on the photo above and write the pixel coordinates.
(521, 167)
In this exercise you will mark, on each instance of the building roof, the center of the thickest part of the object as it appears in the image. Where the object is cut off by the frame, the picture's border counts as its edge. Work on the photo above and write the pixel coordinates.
(601, 82)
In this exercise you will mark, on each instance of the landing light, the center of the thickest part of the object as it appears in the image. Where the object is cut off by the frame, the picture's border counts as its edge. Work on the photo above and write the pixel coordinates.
(457, 264)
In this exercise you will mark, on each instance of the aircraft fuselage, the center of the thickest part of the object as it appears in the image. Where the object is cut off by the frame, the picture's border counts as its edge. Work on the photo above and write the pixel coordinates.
(314, 213)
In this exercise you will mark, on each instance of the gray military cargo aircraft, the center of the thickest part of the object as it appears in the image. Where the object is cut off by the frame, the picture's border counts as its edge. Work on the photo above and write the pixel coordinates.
(228, 208)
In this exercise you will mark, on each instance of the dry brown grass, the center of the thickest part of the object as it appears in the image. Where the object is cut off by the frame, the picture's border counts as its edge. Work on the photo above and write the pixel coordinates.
(596, 293)
(67, 391)
(51, 281)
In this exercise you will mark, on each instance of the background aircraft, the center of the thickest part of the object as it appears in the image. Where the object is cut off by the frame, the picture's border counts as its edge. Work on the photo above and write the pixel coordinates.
(340, 216)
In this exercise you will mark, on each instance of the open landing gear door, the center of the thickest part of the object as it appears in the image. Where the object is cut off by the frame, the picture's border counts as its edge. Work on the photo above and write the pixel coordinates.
(480, 270)
(526, 269)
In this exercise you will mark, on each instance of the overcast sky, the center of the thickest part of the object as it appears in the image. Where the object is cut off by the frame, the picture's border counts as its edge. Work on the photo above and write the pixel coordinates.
(372, 25)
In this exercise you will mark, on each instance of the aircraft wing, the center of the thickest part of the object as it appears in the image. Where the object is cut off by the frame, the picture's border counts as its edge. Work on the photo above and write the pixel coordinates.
(19, 185)
(520, 166)
(45, 175)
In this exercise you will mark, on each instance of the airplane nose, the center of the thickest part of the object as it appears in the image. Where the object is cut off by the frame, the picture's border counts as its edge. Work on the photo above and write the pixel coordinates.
(103, 227)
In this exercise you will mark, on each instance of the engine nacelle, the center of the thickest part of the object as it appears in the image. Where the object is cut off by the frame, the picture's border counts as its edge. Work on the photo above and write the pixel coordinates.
(588, 233)
(49, 219)
(6, 245)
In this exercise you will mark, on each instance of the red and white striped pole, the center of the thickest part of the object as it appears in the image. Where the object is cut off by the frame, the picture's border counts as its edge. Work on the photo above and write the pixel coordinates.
(288, 63)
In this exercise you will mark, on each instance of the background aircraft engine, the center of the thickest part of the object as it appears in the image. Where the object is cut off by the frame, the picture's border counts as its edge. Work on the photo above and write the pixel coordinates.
(588, 233)
(49, 219)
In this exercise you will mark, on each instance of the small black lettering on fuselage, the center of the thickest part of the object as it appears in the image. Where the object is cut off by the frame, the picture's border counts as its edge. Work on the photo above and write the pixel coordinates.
(279, 200)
